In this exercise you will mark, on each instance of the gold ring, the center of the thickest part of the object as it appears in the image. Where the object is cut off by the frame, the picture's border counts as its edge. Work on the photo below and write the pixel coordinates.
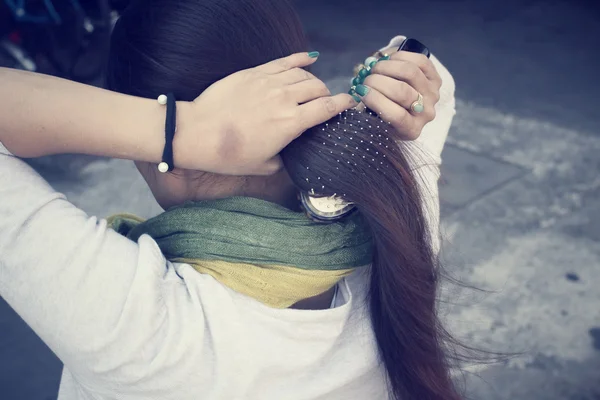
(418, 107)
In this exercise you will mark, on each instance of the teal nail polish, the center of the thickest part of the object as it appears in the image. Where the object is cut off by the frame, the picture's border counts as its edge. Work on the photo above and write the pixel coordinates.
(362, 90)
(357, 81)
(363, 73)
(352, 93)
(313, 54)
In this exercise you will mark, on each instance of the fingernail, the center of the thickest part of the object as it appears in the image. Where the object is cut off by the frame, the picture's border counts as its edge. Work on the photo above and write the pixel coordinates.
(354, 96)
(362, 90)
(313, 54)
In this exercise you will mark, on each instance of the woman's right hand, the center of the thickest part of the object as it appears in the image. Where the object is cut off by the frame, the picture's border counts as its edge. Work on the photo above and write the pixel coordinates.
(251, 115)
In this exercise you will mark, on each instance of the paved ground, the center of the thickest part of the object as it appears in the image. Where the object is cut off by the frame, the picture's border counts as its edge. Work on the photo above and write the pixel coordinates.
(520, 190)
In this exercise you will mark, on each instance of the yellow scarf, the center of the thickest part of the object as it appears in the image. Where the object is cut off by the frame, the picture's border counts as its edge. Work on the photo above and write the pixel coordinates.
(277, 286)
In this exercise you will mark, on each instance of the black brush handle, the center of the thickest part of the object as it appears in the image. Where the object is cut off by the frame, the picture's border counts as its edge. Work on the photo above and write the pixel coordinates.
(414, 46)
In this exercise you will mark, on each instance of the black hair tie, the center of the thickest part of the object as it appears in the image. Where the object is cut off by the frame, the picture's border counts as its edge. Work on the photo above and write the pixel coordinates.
(167, 163)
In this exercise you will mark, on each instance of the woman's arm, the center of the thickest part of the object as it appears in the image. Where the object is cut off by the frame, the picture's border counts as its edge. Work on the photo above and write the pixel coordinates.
(432, 140)
(270, 104)
(237, 126)
(430, 143)
(45, 115)
(74, 281)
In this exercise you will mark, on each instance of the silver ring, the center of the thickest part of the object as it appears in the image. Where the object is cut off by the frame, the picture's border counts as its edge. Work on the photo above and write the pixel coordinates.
(418, 107)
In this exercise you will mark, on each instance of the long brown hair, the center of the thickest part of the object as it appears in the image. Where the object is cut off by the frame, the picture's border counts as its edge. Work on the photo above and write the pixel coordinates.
(183, 47)
(355, 156)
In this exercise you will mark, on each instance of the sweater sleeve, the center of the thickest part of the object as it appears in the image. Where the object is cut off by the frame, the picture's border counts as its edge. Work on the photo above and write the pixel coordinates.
(79, 285)
(428, 147)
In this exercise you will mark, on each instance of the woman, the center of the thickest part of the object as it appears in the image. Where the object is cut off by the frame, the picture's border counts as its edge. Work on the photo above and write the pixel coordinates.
(132, 317)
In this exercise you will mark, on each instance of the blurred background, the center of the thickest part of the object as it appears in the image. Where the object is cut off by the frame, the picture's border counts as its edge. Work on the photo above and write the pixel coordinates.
(520, 188)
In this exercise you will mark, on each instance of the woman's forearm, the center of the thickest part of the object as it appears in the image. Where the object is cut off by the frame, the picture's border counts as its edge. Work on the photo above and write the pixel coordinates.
(43, 115)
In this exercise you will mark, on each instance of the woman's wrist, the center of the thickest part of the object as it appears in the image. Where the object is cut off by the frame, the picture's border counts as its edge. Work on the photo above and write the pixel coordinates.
(139, 134)
(195, 140)
(45, 115)
(134, 131)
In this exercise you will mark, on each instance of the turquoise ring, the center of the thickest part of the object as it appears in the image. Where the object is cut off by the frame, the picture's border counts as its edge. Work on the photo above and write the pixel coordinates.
(418, 107)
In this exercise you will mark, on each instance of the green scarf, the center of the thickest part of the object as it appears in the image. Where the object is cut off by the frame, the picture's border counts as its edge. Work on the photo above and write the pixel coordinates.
(249, 230)
(243, 238)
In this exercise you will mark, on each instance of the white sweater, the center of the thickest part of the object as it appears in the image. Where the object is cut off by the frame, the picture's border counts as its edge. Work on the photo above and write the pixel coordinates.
(130, 325)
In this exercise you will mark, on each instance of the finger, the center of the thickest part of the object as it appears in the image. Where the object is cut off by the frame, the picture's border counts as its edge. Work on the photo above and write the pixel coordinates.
(297, 60)
(295, 75)
(421, 61)
(305, 91)
(405, 124)
(407, 72)
(270, 167)
(317, 111)
(404, 94)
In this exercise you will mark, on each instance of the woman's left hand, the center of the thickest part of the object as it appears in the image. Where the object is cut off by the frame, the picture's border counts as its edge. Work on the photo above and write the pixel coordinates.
(394, 85)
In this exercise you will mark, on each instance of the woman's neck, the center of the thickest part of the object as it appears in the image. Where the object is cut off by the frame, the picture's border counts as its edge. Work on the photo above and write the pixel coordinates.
(277, 189)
